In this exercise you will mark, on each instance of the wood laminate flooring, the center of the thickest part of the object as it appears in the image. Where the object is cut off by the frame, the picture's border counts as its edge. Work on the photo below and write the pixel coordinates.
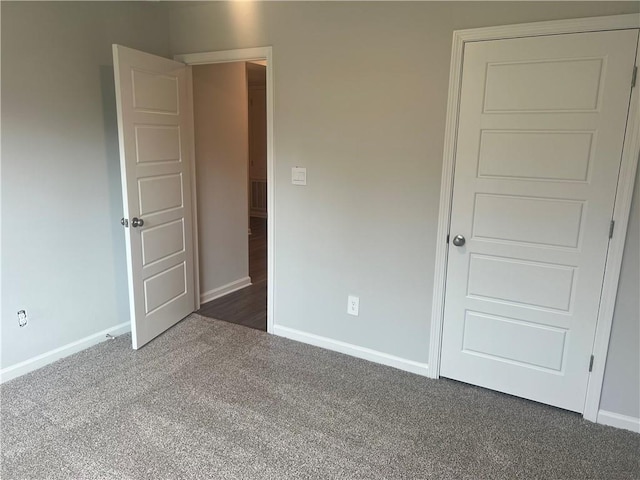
(248, 306)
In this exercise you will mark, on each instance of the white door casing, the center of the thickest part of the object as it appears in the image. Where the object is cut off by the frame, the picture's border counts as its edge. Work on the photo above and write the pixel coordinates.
(522, 294)
(153, 124)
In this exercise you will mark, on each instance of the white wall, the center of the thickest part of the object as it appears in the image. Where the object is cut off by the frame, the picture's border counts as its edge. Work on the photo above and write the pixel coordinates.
(360, 100)
(221, 138)
(63, 256)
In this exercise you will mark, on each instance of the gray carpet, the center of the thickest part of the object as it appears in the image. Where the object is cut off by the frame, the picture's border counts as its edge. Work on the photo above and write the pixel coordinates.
(210, 399)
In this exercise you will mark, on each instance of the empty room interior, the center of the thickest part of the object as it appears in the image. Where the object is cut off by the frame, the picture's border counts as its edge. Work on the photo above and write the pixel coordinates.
(320, 239)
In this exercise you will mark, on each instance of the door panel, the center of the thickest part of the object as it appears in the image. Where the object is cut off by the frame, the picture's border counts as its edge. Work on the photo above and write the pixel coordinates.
(553, 85)
(162, 241)
(164, 287)
(160, 193)
(520, 283)
(554, 155)
(530, 220)
(152, 100)
(157, 144)
(540, 136)
(155, 92)
(535, 345)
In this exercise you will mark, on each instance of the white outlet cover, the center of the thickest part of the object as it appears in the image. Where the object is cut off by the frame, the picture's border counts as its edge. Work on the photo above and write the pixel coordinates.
(299, 176)
(353, 305)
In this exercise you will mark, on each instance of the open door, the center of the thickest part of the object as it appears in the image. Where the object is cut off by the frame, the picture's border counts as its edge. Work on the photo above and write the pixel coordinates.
(153, 126)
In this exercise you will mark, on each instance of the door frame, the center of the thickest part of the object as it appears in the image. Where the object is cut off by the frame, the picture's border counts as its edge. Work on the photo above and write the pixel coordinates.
(622, 206)
(227, 56)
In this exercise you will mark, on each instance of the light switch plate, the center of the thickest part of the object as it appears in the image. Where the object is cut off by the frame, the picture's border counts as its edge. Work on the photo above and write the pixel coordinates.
(299, 176)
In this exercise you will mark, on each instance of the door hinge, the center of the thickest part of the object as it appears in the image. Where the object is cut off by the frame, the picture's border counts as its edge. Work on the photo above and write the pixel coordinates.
(634, 76)
(611, 227)
(591, 364)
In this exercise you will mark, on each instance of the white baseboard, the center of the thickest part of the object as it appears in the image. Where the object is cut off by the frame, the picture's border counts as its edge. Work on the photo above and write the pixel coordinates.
(620, 421)
(51, 356)
(353, 350)
(225, 289)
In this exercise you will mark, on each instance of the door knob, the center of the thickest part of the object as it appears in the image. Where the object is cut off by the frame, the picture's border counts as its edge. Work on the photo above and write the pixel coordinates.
(458, 240)
(138, 222)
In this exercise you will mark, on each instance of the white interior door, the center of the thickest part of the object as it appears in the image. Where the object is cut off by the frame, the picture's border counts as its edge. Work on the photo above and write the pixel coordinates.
(153, 122)
(540, 135)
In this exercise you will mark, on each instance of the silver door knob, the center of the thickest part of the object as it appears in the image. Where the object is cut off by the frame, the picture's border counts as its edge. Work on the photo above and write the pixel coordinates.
(458, 240)
(137, 222)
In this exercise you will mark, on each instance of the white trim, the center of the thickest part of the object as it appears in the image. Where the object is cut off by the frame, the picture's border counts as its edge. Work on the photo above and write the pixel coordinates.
(51, 356)
(353, 350)
(271, 199)
(619, 421)
(225, 56)
(621, 212)
(191, 144)
(554, 27)
(125, 191)
(225, 289)
(242, 55)
(444, 216)
(631, 150)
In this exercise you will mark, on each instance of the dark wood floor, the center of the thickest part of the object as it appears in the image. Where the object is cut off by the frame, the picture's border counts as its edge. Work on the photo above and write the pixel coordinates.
(248, 306)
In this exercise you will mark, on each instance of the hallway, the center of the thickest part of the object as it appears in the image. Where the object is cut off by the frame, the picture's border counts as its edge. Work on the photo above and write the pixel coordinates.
(247, 306)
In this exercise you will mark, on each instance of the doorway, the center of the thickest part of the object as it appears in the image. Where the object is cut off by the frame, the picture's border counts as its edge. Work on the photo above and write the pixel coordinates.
(154, 99)
(261, 55)
(230, 138)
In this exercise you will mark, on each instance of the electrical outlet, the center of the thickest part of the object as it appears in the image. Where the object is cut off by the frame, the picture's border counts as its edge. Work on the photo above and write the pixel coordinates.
(22, 318)
(353, 305)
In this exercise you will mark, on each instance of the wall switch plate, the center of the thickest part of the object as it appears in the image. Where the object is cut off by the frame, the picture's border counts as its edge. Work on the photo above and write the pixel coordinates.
(353, 305)
(299, 176)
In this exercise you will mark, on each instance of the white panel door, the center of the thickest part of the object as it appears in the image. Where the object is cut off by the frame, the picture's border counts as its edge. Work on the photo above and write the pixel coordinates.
(540, 134)
(153, 122)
